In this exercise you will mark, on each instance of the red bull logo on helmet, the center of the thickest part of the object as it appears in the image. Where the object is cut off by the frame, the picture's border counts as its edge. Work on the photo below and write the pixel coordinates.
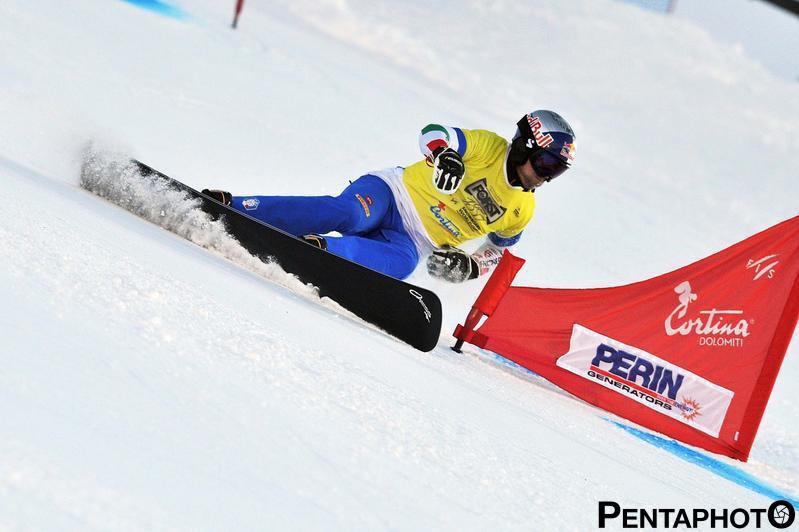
(541, 139)
(647, 379)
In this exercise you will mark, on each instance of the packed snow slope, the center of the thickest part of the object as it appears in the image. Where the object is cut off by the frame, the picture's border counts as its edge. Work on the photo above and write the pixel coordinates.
(149, 384)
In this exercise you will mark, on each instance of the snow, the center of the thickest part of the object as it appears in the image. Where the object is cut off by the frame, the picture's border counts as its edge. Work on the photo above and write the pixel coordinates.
(149, 383)
(770, 34)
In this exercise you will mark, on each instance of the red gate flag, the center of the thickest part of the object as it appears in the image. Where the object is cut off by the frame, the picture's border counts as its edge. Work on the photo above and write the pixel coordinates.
(490, 296)
(692, 354)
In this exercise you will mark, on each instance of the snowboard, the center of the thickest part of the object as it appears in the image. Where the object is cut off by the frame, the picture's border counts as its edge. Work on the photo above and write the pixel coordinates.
(410, 313)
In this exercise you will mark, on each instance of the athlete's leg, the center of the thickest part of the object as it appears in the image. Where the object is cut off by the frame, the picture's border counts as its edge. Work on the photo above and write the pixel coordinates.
(360, 208)
(387, 251)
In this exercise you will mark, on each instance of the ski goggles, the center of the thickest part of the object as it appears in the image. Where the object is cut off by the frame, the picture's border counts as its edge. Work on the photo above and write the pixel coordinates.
(547, 165)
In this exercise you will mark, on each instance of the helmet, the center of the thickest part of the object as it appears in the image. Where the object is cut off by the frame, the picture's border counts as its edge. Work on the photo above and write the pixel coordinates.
(547, 140)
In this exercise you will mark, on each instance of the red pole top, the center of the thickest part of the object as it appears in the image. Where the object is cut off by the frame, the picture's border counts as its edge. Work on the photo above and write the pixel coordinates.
(239, 6)
(499, 283)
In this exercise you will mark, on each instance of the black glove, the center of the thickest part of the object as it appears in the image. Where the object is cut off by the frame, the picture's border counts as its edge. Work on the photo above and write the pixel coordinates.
(222, 196)
(453, 265)
(448, 170)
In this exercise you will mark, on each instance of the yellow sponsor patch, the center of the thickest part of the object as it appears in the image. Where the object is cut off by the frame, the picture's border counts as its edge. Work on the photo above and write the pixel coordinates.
(365, 205)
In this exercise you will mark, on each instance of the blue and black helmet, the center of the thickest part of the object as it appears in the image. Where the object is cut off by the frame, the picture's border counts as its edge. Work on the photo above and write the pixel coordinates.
(547, 140)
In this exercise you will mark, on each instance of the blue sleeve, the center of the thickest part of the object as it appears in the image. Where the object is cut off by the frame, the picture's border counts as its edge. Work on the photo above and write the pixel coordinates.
(461, 141)
(502, 241)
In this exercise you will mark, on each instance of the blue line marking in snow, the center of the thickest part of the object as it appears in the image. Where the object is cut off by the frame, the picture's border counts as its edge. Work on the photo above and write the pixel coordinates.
(159, 6)
(505, 362)
(713, 465)
(722, 469)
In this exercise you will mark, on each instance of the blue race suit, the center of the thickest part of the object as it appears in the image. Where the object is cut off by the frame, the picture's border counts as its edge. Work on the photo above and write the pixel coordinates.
(364, 213)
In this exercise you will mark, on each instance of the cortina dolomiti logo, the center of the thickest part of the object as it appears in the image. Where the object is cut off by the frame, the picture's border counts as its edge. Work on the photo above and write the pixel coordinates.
(713, 327)
(763, 267)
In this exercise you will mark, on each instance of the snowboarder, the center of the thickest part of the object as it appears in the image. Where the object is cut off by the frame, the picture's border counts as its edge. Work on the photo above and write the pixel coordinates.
(472, 183)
